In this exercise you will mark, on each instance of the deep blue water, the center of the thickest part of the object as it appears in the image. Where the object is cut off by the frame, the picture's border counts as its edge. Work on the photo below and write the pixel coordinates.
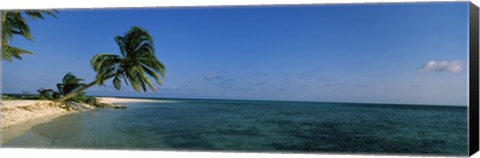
(270, 126)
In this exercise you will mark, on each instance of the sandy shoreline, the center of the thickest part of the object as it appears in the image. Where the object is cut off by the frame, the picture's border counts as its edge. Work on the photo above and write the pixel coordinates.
(17, 130)
(16, 112)
(19, 116)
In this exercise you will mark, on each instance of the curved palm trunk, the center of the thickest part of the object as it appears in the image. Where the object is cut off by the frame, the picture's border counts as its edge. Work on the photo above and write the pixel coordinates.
(75, 93)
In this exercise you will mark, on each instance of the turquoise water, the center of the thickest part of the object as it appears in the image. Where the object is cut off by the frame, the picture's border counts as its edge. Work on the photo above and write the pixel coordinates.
(260, 126)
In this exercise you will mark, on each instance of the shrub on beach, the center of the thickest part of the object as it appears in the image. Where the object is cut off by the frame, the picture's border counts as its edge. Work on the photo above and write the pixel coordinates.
(8, 97)
(45, 94)
(91, 101)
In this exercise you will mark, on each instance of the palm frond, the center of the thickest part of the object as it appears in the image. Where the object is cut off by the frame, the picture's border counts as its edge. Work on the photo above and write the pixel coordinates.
(38, 14)
(136, 62)
(117, 83)
(8, 52)
(13, 23)
(70, 83)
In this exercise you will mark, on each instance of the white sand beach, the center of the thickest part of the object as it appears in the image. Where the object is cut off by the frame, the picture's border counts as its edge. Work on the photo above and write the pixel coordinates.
(18, 116)
(19, 111)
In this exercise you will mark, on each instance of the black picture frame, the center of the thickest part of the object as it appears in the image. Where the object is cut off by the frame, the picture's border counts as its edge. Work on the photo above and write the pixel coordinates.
(473, 79)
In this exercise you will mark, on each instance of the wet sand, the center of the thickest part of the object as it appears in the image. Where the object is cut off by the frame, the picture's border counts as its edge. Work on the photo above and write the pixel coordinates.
(24, 129)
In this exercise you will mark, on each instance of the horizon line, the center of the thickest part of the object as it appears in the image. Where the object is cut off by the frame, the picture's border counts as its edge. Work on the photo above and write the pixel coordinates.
(238, 99)
(307, 101)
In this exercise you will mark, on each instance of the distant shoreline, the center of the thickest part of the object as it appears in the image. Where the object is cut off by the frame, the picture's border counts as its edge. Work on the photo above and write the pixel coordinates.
(294, 101)
(117, 100)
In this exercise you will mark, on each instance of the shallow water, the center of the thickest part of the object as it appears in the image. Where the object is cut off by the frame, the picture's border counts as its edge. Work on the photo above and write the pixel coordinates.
(269, 126)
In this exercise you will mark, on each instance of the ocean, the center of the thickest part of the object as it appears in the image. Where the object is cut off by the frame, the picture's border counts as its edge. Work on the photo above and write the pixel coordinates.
(259, 126)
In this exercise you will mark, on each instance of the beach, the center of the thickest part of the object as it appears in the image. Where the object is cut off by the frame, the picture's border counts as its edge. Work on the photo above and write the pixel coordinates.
(18, 116)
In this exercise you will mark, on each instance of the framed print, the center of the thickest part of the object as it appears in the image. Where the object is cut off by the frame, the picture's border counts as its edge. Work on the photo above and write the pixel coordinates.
(374, 78)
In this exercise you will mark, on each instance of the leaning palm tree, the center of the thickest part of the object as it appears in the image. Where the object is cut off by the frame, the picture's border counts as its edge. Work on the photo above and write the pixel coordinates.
(135, 63)
(13, 23)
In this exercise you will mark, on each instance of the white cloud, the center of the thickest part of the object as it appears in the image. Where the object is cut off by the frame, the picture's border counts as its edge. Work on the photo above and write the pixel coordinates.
(443, 66)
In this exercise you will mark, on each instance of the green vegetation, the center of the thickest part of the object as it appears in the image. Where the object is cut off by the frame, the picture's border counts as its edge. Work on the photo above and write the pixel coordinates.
(45, 94)
(69, 83)
(8, 97)
(22, 97)
(136, 61)
(14, 23)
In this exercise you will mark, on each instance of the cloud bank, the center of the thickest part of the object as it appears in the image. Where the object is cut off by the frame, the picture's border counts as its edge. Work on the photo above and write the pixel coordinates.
(443, 66)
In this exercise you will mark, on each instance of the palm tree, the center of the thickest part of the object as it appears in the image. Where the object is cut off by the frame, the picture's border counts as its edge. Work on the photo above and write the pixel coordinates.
(45, 93)
(69, 83)
(136, 61)
(13, 23)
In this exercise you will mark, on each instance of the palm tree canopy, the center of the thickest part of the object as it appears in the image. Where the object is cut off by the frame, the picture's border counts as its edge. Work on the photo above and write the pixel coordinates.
(69, 84)
(14, 23)
(45, 93)
(135, 64)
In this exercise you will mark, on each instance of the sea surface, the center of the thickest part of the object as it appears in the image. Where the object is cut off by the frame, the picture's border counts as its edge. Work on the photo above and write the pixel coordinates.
(259, 126)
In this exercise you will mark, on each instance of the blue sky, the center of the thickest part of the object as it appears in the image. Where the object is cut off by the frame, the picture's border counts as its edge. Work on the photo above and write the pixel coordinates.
(413, 53)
